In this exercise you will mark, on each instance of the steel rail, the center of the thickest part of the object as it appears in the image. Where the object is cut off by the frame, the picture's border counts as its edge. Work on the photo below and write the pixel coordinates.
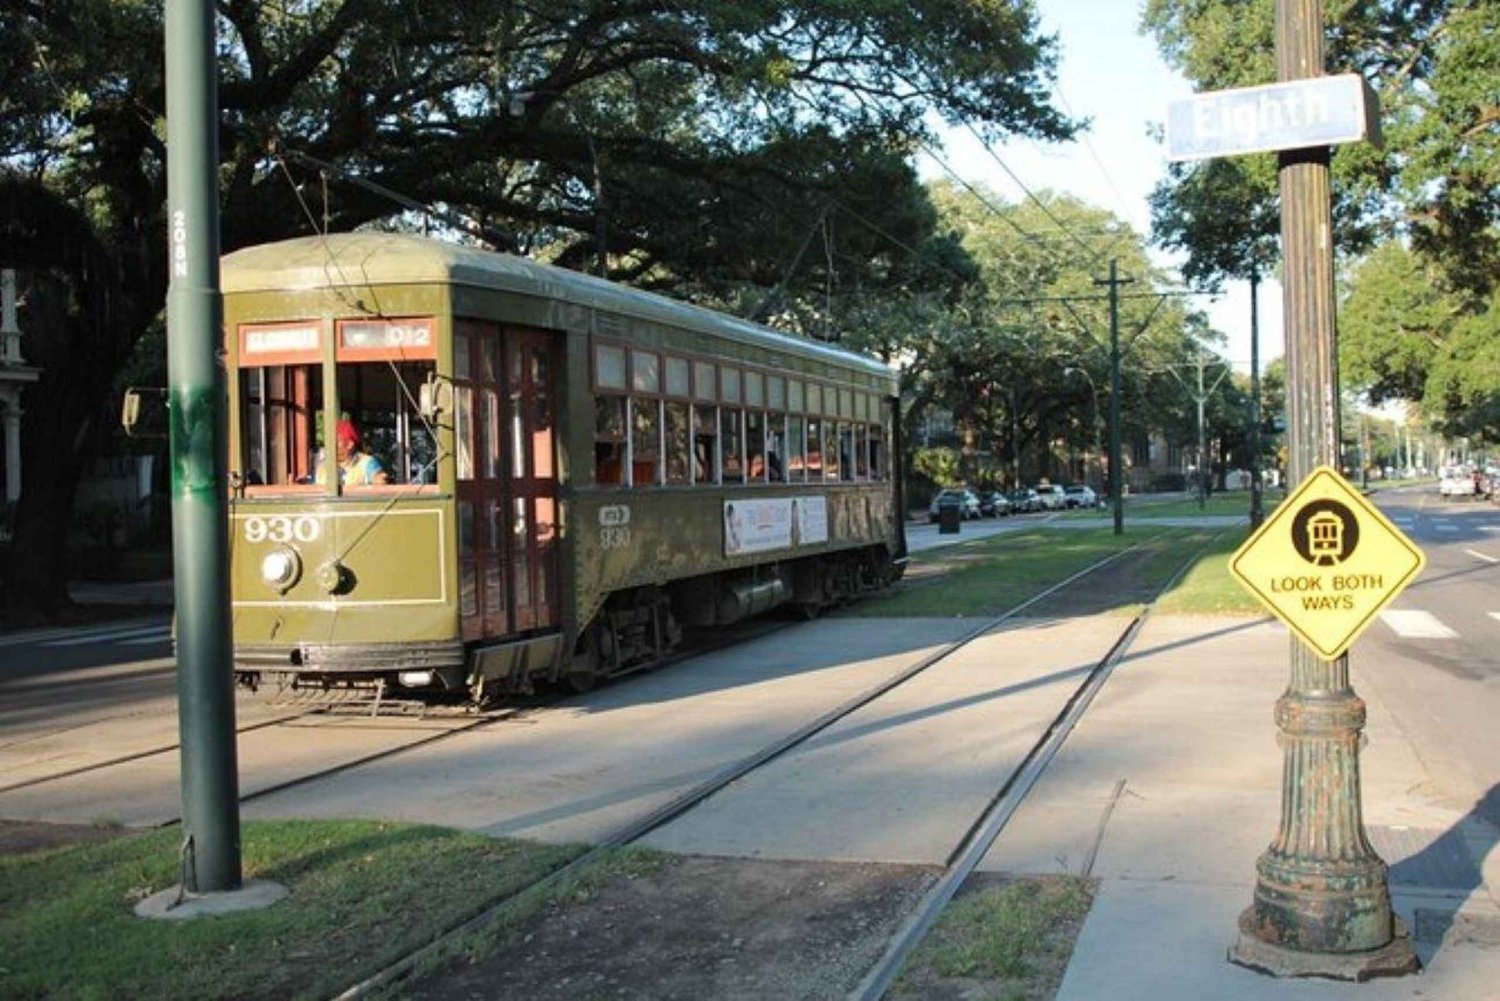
(639, 828)
(976, 842)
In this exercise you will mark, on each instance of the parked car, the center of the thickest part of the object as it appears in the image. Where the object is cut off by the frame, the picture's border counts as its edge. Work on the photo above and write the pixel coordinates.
(1081, 496)
(994, 504)
(1052, 496)
(967, 501)
(1024, 500)
(1456, 481)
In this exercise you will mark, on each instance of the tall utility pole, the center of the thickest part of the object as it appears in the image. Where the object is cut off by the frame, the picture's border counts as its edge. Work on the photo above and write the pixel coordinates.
(199, 435)
(1257, 507)
(1200, 397)
(1114, 281)
(1322, 905)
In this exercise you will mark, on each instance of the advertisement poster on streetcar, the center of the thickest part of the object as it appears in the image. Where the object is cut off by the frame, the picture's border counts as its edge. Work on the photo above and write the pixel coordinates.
(763, 524)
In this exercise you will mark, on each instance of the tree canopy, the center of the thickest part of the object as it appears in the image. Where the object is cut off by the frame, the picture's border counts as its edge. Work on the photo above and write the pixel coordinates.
(714, 150)
(1418, 219)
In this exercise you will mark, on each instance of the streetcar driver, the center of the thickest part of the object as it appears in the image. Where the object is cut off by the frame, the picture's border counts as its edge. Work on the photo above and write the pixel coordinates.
(357, 468)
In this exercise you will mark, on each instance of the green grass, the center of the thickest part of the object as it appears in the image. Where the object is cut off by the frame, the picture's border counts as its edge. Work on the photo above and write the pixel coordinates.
(1237, 503)
(1015, 933)
(362, 894)
(987, 577)
(1208, 589)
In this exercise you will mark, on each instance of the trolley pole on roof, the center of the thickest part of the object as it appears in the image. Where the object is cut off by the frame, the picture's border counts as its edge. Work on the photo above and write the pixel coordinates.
(199, 412)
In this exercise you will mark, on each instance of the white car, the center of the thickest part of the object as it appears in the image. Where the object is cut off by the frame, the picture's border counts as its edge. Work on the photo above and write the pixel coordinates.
(1456, 482)
(1081, 496)
(1054, 498)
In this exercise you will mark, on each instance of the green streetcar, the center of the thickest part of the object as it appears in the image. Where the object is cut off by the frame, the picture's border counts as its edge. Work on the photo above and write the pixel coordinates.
(532, 474)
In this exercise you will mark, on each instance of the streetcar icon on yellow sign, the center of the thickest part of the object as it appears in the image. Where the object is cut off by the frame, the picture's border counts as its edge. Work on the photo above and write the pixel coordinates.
(1326, 562)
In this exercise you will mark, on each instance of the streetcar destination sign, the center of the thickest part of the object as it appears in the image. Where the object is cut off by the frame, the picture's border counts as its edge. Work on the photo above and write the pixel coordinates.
(1319, 111)
(1326, 562)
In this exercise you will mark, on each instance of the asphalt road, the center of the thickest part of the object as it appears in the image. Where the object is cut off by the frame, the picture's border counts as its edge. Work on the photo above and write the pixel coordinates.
(1434, 659)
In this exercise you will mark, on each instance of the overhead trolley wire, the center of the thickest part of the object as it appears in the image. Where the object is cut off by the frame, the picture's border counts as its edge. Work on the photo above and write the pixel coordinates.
(1094, 256)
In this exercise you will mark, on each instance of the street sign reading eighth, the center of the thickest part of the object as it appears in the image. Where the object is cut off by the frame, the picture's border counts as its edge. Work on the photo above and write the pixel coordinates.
(1317, 111)
(1326, 562)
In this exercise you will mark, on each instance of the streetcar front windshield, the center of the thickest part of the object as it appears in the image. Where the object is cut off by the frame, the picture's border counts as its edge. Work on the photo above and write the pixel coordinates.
(379, 437)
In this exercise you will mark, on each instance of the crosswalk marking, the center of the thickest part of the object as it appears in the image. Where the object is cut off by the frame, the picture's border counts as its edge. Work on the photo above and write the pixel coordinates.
(1443, 526)
(1416, 625)
(1482, 556)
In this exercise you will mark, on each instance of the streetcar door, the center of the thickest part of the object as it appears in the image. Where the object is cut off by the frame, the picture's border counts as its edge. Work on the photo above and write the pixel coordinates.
(531, 450)
(484, 607)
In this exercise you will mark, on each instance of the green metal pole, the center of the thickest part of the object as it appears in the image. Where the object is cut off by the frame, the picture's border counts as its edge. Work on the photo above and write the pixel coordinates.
(1322, 905)
(199, 408)
(1257, 507)
(1114, 398)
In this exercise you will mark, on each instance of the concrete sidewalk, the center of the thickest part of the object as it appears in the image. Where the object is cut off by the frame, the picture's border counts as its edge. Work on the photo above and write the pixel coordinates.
(1186, 725)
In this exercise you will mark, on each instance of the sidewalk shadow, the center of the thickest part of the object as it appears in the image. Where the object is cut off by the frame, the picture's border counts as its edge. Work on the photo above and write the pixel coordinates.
(1445, 875)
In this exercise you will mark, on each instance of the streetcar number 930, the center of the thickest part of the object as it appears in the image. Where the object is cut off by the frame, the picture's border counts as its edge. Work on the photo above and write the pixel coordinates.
(282, 528)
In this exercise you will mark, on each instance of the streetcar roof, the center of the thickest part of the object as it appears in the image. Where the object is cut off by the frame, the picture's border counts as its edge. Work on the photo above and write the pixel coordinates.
(368, 259)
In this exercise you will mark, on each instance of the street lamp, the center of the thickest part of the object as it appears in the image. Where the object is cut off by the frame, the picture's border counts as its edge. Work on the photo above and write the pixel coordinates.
(1094, 396)
(517, 107)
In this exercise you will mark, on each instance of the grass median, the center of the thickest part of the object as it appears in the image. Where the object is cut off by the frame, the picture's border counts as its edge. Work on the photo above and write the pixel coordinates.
(363, 893)
(990, 575)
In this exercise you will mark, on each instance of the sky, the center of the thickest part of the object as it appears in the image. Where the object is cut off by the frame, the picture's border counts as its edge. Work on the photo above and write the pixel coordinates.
(1111, 74)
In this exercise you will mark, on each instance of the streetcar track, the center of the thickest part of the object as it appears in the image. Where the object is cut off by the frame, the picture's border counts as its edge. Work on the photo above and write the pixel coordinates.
(635, 830)
(977, 841)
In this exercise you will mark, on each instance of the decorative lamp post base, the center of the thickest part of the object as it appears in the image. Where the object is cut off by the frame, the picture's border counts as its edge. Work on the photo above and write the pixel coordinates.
(1394, 959)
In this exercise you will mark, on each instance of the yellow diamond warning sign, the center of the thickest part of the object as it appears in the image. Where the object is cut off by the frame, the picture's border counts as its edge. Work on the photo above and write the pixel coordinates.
(1326, 562)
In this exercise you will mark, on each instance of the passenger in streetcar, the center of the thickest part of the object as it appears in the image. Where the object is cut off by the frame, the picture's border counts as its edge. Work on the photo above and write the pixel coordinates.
(357, 467)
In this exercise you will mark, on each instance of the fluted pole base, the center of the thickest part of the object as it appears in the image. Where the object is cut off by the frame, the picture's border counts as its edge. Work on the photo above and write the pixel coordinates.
(1394, 959)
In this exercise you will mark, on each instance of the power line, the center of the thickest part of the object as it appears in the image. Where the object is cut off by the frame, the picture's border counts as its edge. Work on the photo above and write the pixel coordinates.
(1094, 256)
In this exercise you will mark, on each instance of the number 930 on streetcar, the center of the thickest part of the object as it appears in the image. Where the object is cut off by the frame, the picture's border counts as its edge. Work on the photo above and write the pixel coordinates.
(458, 471)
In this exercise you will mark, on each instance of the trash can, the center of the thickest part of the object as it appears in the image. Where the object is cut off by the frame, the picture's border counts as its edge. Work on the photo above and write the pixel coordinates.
(949, 516)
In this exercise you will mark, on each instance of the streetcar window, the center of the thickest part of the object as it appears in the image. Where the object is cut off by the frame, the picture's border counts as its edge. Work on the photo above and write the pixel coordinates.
(705, 444)
(794, 399)
(609, 440)
(281, 421)
(729, 384)
(796, 439)
(380, 398)
(862, 451)
(645, 372)
(814, 464)
(755, 445)
(645, 442)
(830, 451)
(678, 377)
(846, 451)
(814, 398)
(877, 459)
(755, 389)
(705, 381)
(776, 448)
(463, 430)
(677, 438)
(775, 392)
(730, 442)
(609, 366)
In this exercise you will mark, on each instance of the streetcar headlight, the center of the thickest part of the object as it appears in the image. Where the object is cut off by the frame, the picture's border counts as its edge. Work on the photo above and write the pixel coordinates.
(281, 567)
